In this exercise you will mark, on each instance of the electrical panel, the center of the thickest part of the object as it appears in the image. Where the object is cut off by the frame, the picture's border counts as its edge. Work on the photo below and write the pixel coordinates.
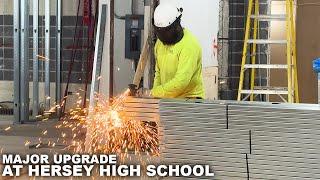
(133, 34)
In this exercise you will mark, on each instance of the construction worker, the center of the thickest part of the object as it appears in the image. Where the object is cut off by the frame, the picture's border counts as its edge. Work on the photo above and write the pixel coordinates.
(178, 57)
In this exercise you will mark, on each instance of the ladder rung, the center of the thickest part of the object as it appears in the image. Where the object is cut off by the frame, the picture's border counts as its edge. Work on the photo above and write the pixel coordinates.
(267, 41)
(266, 66)
(279, 17)
(266, 91)
(270, 87)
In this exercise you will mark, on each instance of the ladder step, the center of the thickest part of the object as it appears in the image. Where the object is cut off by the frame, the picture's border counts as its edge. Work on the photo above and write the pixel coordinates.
(267, 41)
(269, 91)
(279, 17)
(266, 66)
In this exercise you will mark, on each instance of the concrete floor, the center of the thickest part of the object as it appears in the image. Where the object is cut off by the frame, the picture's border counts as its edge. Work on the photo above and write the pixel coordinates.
(6, 120)
(13, 142)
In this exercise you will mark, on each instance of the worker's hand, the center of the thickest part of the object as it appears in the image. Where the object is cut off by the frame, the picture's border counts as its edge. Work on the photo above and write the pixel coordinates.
(147, 93)
(144, 93)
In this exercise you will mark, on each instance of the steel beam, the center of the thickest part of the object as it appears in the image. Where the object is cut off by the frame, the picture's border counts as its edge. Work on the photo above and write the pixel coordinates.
(16, 62)
(35, 10)
(58, 55)
(24, 61)
(47, 55)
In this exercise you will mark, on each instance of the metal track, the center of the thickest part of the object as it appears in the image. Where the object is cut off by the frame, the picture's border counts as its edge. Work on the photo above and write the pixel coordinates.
(142, 109)
(47, 55)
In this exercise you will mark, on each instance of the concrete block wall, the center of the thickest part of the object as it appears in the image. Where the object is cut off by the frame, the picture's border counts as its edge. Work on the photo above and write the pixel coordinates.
(6, 93)
(237, 20)
(6, 49)
(123, 68)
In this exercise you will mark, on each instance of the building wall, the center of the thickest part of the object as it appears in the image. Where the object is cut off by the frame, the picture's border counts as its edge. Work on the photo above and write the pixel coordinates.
(237, 15)
(69, 7)
(278, 51)
(202, 19)
(237, 20)
(68, 23)
(122, 67)
(223, 51)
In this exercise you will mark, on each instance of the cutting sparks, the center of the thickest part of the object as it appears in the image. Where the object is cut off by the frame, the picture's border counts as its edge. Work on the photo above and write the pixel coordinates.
(107, 128)
(27, 143)
(7, 129)
(45, 132)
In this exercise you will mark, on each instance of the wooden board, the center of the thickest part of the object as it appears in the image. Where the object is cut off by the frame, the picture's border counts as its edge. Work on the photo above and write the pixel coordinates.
(308, 48)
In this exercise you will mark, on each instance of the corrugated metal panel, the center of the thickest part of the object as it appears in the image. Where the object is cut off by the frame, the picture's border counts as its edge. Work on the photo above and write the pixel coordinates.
(285, 155)
(277, 167)
(285, 139)
(142, 109)
(196, 133)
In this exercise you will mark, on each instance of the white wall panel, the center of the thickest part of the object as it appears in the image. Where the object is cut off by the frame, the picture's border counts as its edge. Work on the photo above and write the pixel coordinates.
(202, 18)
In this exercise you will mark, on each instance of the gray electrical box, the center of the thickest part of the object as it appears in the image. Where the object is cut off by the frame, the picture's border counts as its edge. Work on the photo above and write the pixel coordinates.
(134, 27)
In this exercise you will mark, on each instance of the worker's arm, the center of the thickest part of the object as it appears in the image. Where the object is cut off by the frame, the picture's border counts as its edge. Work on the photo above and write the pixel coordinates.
(185, 71)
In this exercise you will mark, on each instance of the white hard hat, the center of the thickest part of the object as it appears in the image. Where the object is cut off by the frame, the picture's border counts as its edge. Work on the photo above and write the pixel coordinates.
(165, 14)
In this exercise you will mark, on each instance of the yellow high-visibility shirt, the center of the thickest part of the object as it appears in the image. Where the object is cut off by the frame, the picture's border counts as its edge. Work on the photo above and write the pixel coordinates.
(178, 69)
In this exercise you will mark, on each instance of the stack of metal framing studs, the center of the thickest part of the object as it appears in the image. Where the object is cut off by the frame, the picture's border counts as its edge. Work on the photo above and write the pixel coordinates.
(196, 133)
(142, 109)
(243, 140)
(284, 139)
(238, 140)
(21, 56)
